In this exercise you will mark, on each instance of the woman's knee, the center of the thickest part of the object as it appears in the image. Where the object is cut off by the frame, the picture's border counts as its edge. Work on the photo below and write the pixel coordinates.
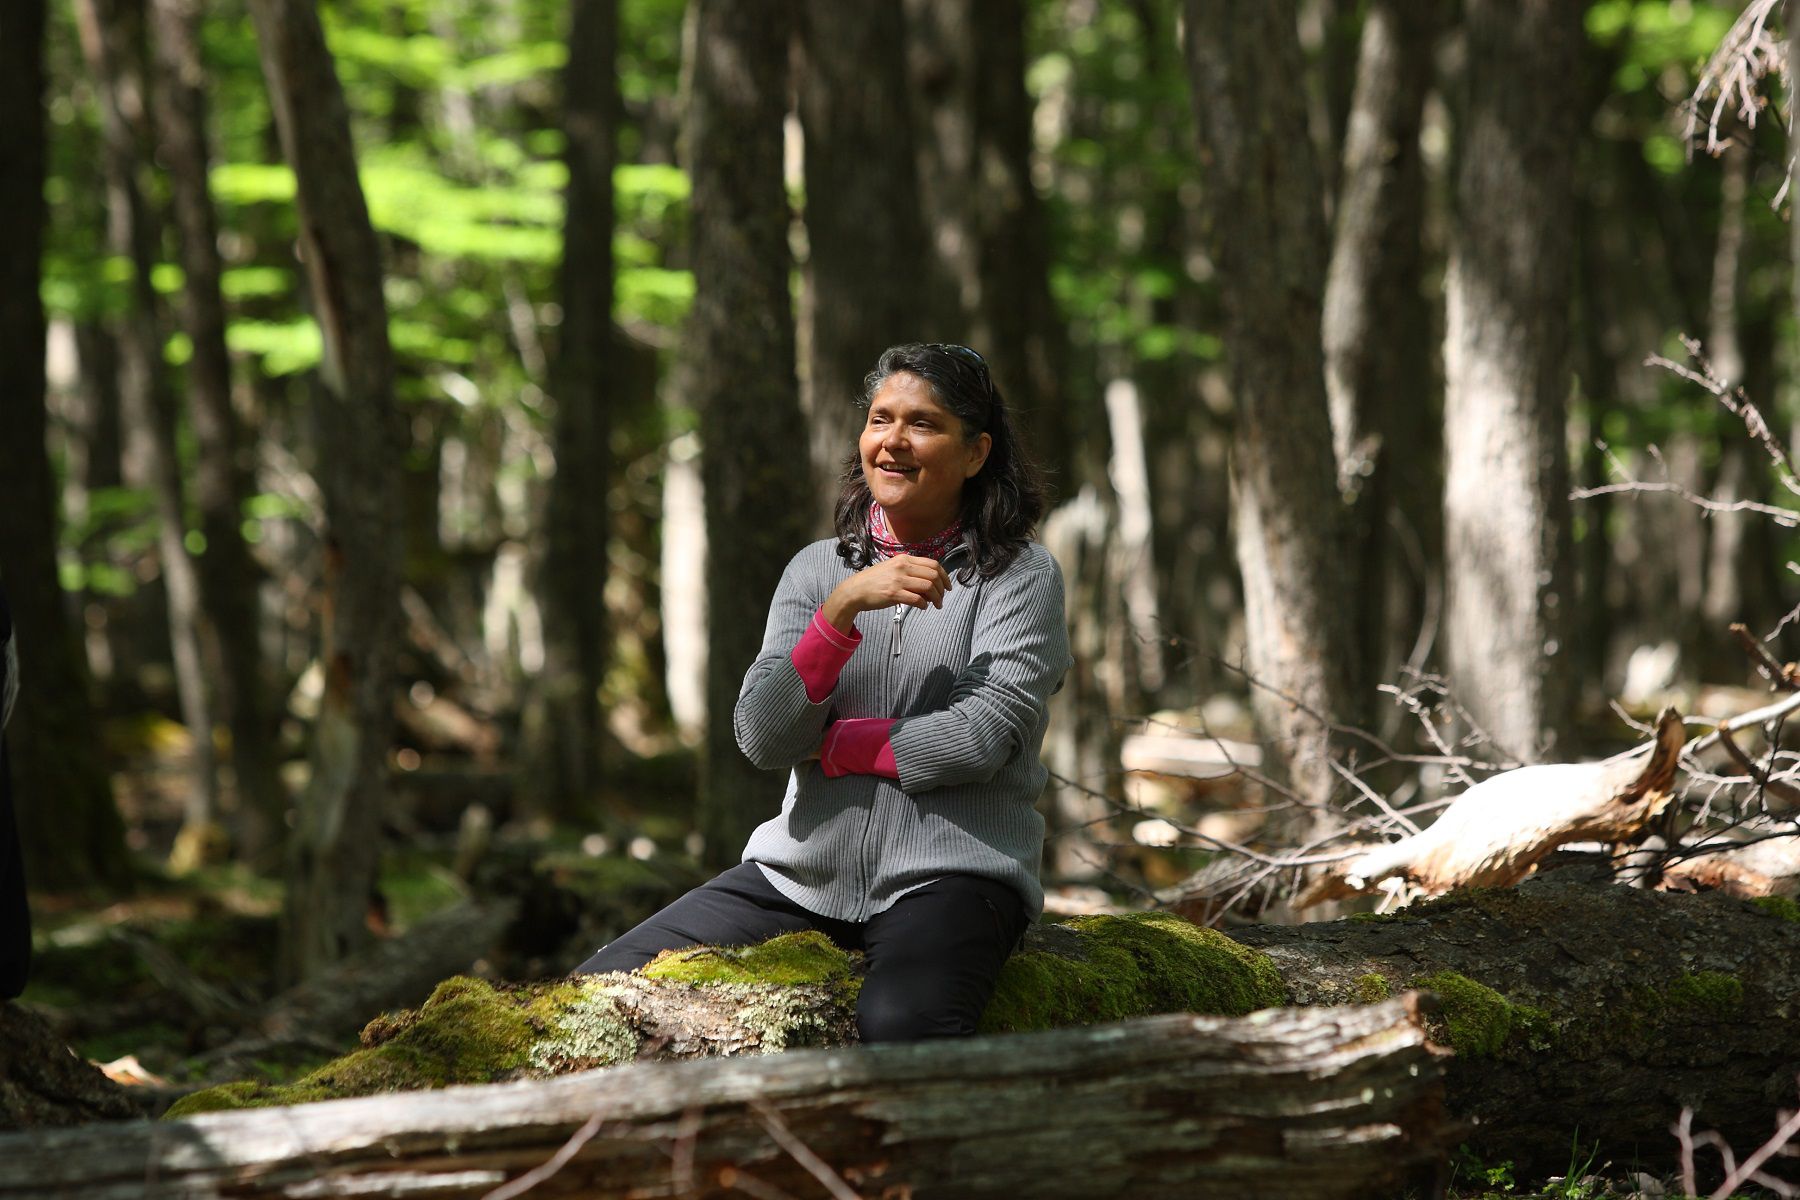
(883, 1016)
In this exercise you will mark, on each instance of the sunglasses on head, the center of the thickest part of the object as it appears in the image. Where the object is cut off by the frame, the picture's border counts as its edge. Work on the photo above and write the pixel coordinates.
(960, 351)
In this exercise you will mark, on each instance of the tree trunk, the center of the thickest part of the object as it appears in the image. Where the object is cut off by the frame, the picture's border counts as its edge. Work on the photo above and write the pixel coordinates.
(864, 230)
(69, 830)
(738, 362)
(228, 576)
(336, 842)
(1263, 204)
(588, 365)
(1376, 327)
(967, 63)
(1339, 1102)
(112, 42)
(1506, 509)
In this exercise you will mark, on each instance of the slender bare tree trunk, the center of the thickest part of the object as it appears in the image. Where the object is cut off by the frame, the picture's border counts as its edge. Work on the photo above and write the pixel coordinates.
(738, 366)
(1510, 587)
(112, 42)
(1377, 331)
(864, 229)
(587, 364)
(69, 830)
(967, 65)
(337, 839)
(1263, 204)
(228, 576)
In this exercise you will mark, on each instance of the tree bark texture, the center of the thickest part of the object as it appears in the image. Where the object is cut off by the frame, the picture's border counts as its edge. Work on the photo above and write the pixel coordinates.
(1263, 206)
(1304, 1104)
(864, 229)
(967, 64)
(739, 368)
(336, 842)
(1603, 1007)
(1377, 332)
(112, 41)
(69, 831)
(42, 1082)
(588, 367)
(1506, 510)
(228, 576)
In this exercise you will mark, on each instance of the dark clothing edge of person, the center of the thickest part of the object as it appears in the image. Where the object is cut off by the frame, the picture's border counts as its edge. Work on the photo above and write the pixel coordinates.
(15, 912)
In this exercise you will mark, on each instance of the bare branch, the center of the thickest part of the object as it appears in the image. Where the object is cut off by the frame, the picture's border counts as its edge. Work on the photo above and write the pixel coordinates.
(1747, 54)
(555, 1163)
(802, 1153)
(1782, 675)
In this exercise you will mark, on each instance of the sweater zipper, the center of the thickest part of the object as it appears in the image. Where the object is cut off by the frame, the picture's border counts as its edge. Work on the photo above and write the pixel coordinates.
(887, 677)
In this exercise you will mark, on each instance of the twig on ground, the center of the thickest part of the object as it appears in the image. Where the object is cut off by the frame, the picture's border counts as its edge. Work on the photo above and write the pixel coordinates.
(801, 1152)
(1737, 1174)
(555, 1163)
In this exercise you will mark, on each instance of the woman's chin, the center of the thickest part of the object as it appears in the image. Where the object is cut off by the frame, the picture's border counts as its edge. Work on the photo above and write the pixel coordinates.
(890, 493)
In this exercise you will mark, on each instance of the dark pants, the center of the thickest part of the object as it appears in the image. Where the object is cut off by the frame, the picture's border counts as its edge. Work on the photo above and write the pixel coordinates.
(930, 959)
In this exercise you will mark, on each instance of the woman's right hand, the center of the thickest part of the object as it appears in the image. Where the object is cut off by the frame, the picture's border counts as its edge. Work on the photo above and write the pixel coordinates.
(902, 579)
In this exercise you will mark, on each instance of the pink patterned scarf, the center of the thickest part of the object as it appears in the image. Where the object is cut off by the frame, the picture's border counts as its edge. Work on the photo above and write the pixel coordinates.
(933, 547)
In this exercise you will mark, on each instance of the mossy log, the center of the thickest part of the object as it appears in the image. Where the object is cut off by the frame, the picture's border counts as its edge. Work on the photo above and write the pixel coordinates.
(795, 990)
(1570, 1007)
(1578, 1010)
(1306, 1104)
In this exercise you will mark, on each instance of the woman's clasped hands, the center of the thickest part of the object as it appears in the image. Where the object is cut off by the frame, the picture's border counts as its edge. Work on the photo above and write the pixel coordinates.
(902, 579)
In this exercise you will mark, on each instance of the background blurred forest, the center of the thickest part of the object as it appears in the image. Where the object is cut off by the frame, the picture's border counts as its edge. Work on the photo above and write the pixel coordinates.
(376, 612)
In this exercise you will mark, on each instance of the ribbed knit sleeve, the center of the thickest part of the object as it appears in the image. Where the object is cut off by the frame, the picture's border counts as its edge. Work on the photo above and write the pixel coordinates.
(1018, 653)
(776, 724)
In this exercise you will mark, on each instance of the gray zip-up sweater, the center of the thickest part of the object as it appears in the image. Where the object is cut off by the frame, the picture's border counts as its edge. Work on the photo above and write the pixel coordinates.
(970, 685)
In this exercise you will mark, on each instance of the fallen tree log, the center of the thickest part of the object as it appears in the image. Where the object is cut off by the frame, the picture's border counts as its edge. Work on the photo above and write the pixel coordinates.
(1495, 833)
(1299, 1103)
(1575, 1009)
(1570, 1007)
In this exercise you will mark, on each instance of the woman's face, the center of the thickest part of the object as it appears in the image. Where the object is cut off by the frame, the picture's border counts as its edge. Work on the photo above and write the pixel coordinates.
(915, 457)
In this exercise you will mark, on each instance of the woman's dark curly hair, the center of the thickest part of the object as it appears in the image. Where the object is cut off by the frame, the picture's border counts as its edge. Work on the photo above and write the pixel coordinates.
(1001, 504)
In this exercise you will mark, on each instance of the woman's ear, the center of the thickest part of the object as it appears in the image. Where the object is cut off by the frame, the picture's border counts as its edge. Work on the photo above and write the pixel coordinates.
(978, 452)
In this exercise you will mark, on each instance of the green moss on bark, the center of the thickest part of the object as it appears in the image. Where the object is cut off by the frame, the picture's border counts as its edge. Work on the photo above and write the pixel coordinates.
(1481, 1022)
(1132, 966)
(795, 990)
(1779, 906)
(467, 1032)
(792, 958)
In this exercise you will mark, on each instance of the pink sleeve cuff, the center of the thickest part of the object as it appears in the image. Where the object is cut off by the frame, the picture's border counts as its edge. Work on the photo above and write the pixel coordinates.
(820, 655)
(859, 746)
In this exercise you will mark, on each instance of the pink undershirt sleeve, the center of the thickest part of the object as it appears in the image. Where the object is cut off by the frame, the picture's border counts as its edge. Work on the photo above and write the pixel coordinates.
(820, 656)
(859, 746)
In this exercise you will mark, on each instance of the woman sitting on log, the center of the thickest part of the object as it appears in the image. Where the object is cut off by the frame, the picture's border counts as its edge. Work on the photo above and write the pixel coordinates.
(909, 710)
